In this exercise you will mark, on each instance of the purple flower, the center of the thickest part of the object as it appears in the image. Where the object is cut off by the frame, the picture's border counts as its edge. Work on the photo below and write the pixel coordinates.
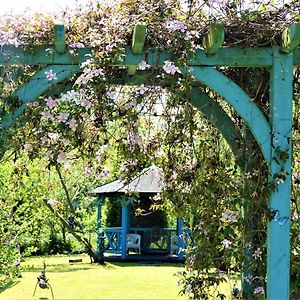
(27, 147)
(72, 124)
(76, 45)
(62, 157)
(104, 174)
(131, 104)
(46, 115)
(176, 25)
(143, 65)
(101, 151)
(88, 171)
(257, 254)
(295, 216)
(170, 68)
(70, 95)
(226, 243)
(230, 216)
(134, 139)
(51, 75)
(85, 103)
(259, 290)
(141, 89)
(53, 136)
(112, 95)
(62, 117)
(52, 202)
(51, 103)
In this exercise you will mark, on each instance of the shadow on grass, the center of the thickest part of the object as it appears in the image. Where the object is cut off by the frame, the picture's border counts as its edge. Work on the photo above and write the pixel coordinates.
(9, 285)
(65, 268)
(146, 264)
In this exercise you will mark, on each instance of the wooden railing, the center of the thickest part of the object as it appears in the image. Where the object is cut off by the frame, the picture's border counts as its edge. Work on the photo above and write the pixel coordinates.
(154, 240)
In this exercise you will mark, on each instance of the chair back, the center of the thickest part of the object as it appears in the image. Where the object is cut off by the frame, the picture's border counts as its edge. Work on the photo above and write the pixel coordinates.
(133, 240)
(174, 244)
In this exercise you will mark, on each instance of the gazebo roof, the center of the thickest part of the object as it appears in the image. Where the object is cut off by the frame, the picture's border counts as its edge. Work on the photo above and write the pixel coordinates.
(149, 181)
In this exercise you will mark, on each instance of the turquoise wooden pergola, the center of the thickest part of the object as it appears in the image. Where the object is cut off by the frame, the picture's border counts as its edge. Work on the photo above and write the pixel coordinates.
(273, 134)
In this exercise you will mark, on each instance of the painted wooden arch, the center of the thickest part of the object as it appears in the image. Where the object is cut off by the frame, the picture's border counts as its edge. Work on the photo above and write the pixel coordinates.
(39, 84)
(240, 101)
(36, 86)
(218, 82)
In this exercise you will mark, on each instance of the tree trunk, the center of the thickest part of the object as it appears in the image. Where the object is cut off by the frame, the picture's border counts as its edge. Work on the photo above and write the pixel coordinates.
(94, 256)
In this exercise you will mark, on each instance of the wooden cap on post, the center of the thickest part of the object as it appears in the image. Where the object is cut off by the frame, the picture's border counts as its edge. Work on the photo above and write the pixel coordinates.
(290, 38)
(59, 38)
(214, 39)
(138, 42)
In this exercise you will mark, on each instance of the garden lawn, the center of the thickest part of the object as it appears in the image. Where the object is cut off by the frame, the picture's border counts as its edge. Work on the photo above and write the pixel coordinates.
(92, 281)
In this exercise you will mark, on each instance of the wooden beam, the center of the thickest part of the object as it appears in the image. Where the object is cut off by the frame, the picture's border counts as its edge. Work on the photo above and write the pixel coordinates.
(225, 57)
(214, 39)
(138, 41)
(59, 38)
(291, 38)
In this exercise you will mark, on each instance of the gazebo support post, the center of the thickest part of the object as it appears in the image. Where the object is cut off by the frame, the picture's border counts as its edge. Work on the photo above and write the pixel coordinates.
(99, 219)
(180, 224)
(125, 226)
(278, 258)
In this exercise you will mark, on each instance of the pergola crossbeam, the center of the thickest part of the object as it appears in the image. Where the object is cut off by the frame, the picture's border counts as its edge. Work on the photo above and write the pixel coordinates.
(226, 57)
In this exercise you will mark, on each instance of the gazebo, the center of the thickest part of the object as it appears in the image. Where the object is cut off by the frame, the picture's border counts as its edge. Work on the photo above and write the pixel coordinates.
(156, 242)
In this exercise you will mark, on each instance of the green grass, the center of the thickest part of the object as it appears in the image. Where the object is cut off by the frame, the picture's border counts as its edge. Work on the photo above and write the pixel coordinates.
(91, 281)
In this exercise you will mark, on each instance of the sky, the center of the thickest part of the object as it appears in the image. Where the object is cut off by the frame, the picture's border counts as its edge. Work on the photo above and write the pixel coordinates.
(37, 5)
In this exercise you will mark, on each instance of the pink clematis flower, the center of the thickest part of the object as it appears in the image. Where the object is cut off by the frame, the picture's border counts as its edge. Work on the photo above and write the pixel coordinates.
(62, 117)
(72, 124)
(226, 243)
(170, 68)
(51, 103)
(51, 76)
(104, 174)
(46, 115)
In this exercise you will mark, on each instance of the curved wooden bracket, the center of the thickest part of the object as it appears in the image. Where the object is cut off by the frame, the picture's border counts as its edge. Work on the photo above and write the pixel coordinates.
(240, 101)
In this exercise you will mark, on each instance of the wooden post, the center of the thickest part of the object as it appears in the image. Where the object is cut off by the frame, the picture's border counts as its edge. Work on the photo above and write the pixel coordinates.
(281, 97)
(181, 244)
(59, 38)
(125, 226)
(99, 219)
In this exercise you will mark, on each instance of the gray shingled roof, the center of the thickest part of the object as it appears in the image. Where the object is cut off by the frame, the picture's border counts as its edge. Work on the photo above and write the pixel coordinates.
(150, 180)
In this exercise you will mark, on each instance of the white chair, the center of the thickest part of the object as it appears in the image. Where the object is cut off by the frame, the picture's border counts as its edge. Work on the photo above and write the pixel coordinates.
(134, 242)
(174, 245)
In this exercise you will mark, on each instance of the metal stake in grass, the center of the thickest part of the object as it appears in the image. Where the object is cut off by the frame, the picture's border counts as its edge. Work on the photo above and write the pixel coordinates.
(42, 281)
